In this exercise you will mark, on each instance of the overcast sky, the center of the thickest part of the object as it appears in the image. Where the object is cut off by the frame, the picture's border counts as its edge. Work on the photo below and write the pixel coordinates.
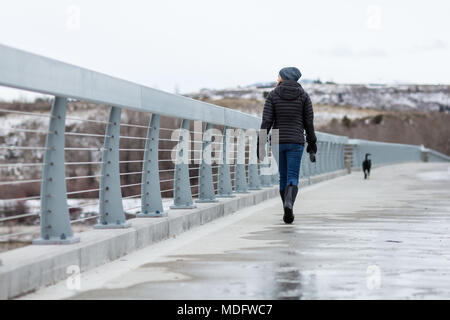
(195, 44)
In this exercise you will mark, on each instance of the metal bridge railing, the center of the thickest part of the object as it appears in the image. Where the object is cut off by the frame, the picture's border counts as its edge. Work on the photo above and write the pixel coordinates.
(389, 153)
(429, 155)
(64, 171)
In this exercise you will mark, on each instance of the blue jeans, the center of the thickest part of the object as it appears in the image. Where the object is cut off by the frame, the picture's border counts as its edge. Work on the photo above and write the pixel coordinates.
(289, 159)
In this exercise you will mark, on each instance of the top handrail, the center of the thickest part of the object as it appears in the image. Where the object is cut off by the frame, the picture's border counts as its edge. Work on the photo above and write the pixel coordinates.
(24, 70)
(437, 154)
(359, 141)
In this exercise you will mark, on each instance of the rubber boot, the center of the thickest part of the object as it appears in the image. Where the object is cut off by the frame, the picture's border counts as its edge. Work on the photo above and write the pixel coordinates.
(289, 199)
(282, 196)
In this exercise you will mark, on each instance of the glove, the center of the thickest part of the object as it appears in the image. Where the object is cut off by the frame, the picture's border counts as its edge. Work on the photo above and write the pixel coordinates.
(311, 148)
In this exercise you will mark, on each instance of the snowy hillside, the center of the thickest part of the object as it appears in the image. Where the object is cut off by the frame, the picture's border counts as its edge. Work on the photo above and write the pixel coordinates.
(382, 97)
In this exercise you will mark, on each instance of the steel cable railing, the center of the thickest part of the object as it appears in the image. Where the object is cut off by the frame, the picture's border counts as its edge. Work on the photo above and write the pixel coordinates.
(21, 145)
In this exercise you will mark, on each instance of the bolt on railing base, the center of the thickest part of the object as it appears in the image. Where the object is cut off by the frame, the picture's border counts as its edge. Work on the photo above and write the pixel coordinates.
(152, 214)
(123, 225)
(191, 206)
(51, 241)
(226, 195)
(206, 200)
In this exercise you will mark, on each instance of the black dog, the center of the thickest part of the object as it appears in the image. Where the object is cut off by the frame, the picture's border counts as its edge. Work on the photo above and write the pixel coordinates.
(366, 166)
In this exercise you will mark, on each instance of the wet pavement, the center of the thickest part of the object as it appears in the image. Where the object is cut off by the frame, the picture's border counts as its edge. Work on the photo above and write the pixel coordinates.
(383, 238)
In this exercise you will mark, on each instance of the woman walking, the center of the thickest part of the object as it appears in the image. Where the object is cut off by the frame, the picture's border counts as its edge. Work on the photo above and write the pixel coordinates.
(288, 108)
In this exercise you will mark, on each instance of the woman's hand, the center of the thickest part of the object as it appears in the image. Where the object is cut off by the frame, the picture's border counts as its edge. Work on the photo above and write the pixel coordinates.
(311, 148)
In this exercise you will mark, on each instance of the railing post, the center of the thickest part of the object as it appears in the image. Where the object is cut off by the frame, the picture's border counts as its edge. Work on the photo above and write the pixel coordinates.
(341, 156)
(275, 179)
(318, 166)
(355, 155)
(54, 217)
(182, 185)
(112, 215)
(338, 156)
(266, 179)
(206, 185)
(225, 186)
(328, 156)
(253, 171)
(151, 204)
(306, 164)
(424, 156)
(240, 174)
(303, 166)
(333, 156)
(324, 156)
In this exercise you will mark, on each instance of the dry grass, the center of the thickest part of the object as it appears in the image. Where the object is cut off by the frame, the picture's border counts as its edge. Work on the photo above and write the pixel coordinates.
(432, 129)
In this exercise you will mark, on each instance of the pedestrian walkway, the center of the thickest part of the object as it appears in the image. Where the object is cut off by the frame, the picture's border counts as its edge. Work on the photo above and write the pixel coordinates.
(386, 237)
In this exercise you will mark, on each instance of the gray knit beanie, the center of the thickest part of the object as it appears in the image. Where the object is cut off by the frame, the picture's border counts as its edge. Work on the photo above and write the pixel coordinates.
(290, 73)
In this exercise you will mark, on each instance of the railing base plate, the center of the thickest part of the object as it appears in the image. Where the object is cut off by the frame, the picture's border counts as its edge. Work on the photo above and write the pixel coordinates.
(113, 226)
(183, 207)
(206, 201)
(70, 240)
(225, 196)
(152, 215)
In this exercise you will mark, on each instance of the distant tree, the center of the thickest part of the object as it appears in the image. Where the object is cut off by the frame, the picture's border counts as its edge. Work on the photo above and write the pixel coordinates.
(377, 119)
(346, 121)
(42, 100)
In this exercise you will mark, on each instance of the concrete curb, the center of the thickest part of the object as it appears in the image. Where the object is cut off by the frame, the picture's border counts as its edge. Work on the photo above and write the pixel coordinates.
(26, 269)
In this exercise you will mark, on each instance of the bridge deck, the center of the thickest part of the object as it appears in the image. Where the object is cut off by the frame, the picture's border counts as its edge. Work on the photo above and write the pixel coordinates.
(387, 237)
